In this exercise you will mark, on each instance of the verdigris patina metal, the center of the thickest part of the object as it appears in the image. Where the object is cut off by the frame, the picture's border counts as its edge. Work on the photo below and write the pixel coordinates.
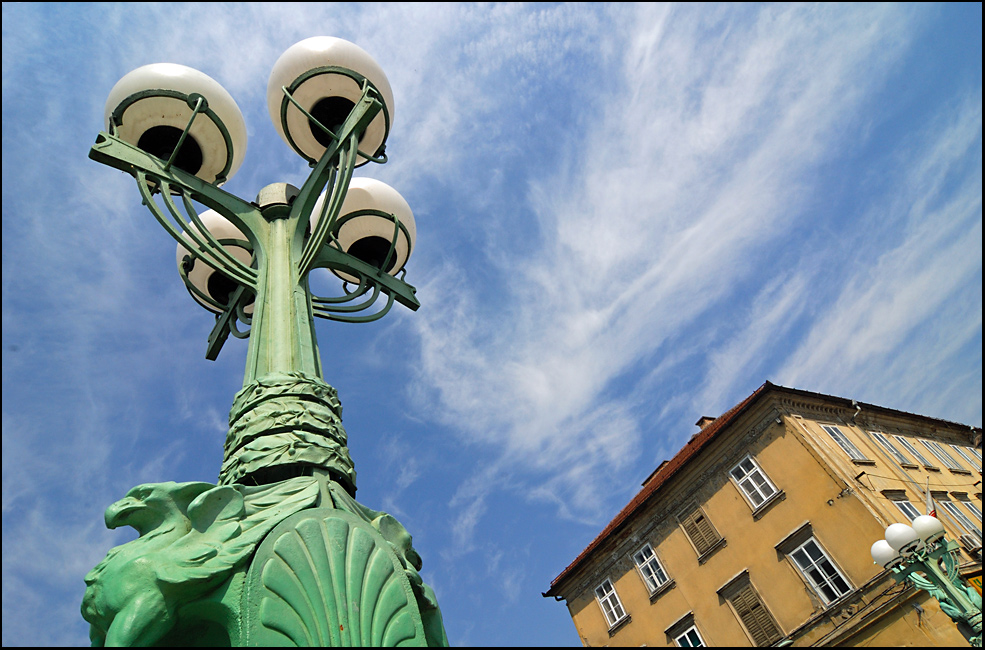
(330, 572)
(279, 552)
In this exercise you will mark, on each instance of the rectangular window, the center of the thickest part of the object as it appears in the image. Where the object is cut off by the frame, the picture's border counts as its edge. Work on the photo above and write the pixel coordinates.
(689, 639)
(936, 449)
(753, 482)
(891, 448)
(977, 511)
(820, 572)
(700, 531)
(907, 509)
(649, 567)
(962, 519)
(971, 458)
(754, 616)
(608, 600)
(913, 451)
(847, 445)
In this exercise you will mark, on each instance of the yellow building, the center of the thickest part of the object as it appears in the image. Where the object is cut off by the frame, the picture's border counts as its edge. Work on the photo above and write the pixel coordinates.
(758, 531)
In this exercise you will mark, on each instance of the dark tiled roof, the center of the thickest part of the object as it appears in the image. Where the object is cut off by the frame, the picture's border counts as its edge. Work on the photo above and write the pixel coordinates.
(693, 446)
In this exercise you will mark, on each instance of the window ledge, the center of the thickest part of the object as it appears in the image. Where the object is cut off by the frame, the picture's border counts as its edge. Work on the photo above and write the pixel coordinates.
(615, 627)
(863, 461)
(909, 466)
(760, 510)
(963, 472)
(931, 468)
(711, 551)
(662, 589)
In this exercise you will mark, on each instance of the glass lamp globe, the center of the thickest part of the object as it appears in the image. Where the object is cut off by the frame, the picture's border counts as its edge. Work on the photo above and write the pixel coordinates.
(149, 108)
(206, 279)
(883, 554)
(324, 75)
(367, 235)
(928, 528)
(902, 538)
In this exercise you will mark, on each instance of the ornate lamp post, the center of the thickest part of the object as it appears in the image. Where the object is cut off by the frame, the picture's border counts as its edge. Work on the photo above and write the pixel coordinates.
(278, 552)
(922, 555)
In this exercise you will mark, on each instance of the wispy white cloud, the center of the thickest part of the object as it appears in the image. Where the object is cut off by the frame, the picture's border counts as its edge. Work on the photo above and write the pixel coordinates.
(696, 166)
(630, 215)
(901, 291)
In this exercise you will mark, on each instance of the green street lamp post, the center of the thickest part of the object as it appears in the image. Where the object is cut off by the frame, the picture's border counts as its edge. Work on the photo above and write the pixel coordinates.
(921, 555)
(278, 552)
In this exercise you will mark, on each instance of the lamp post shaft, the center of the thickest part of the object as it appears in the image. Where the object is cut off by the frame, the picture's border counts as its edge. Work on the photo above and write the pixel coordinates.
(282, 338)
(241, 563)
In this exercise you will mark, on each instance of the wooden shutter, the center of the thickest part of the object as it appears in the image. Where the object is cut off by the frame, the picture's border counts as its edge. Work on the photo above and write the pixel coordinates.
(703, 535)
(754, 616)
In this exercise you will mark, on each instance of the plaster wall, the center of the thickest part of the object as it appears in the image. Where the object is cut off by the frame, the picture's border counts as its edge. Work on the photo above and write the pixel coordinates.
(821, 489)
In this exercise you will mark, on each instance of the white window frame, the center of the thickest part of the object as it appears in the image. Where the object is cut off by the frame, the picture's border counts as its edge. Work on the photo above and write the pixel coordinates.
(843, 441)
(693, 632)
(829, 579)
(977, 464)
(937, 450)
(970, 505)
(651, 571)
(751, 482)
(908, 509)
(615, 613)
(961, 518)
(907, 445)
(977, 511)
(883, 440)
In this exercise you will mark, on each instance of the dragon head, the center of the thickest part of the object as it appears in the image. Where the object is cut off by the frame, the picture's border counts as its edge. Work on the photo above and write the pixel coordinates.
(148, 506)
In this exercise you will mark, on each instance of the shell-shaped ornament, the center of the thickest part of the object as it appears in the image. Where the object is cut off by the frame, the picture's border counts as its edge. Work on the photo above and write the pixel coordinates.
(324, 577)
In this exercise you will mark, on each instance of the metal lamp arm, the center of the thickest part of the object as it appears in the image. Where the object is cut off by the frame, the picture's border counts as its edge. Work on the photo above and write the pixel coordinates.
(197, 246)
(331, 207)
(332, 258)
(207, 245)
(218, 245)
(355, 124)
(114, 152)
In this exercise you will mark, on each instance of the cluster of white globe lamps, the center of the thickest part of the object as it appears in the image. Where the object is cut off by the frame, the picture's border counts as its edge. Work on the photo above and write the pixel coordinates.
(151, 106)
(902, 540)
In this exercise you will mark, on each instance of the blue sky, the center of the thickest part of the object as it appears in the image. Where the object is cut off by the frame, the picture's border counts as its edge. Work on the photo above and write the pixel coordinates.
(629, 216)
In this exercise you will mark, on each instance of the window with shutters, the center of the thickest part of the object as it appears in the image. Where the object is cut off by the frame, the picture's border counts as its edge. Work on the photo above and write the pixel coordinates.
(699, 530)
(654, 576)
(757, 620)
(608, 600)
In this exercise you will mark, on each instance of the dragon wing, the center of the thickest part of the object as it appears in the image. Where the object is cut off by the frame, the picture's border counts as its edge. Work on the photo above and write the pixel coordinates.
(227, 524)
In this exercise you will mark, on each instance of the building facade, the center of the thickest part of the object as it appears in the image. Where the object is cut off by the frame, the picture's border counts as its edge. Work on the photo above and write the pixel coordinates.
(758, 531)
